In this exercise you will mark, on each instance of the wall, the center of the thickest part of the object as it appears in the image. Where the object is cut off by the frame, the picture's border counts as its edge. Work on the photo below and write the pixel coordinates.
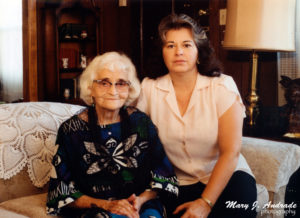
(120, 30)
(30, 91)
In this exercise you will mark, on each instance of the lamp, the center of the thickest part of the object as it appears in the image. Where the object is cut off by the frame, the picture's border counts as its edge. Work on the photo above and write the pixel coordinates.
(259, 25)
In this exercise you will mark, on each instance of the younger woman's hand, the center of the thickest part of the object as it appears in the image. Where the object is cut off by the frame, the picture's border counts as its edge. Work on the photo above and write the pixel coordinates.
(138, 201)
(194, 209)
(135, 201)
(121, 207)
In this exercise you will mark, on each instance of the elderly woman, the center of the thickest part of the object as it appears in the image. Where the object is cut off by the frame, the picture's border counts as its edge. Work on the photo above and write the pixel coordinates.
(110, 161)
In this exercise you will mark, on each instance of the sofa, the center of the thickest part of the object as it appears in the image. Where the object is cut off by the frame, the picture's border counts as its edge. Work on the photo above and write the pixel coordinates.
(27, 145)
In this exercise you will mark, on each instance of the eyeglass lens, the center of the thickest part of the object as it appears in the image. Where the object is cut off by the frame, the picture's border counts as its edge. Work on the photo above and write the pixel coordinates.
(120, 85)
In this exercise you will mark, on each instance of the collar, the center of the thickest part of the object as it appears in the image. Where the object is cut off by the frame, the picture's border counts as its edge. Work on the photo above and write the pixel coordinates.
(165, 82)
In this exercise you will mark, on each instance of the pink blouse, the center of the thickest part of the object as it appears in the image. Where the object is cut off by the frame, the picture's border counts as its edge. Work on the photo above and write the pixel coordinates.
(191, 140)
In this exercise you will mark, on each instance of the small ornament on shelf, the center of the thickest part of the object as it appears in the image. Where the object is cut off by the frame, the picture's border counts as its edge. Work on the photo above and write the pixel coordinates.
(68, 31)
(67, 94)
(83, 34)
(82, 61)
(69, 58)
(65, 63)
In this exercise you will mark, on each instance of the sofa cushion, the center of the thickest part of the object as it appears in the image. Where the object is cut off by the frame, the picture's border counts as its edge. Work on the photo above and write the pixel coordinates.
(33, 206)
(18, 186)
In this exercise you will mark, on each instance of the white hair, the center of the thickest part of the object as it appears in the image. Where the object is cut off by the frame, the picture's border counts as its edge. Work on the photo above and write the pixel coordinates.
(111, 61)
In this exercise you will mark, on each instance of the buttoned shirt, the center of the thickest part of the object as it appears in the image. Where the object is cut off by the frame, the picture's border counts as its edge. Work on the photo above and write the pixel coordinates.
(191, 140)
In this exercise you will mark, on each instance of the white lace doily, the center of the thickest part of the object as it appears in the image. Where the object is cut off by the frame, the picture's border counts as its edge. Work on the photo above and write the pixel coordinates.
(27, 137)
(272, 162)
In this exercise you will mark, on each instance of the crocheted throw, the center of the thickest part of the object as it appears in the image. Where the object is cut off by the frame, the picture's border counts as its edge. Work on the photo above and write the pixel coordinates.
(27, 137)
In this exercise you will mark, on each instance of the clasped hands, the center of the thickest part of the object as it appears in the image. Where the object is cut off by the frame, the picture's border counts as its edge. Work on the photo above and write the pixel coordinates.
(128, 207)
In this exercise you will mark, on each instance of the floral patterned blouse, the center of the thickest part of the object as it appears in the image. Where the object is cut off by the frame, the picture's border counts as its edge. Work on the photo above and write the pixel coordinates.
(113, 168)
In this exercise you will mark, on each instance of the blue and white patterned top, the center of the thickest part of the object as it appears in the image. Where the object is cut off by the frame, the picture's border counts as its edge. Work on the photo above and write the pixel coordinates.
(114, 168)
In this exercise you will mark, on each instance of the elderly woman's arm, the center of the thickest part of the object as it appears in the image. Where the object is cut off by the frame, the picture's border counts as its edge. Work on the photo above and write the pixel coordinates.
(128, 207)
(229, 140)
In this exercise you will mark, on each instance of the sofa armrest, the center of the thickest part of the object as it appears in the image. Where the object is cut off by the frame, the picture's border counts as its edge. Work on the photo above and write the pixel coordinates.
(10, 214)
(33, 206)
(271, 162)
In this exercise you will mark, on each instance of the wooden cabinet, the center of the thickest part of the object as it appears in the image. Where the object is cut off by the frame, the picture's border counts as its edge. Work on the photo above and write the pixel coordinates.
(108, 28)
(77, 43)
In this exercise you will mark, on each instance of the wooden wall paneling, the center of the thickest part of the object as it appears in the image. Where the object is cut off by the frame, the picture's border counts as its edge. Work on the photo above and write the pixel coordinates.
(110, 25)
(246, 76)
(99, 4)
(237, 71)
(30, 52)
(46, 52)
(51, 82)
(134, 34)
(115, 26)
(32, 23)
(236, 64)
(124, 29)
(142, 36)
(41, 50)
(267, 79)
(215, 29)
(25, 50)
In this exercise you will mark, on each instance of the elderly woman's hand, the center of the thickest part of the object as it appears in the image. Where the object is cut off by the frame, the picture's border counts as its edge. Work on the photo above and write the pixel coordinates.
(194, 209)
(121, 207)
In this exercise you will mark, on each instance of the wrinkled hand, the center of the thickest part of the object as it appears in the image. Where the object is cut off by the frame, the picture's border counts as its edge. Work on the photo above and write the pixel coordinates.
(194, 209)
(135, 201)
(122, 207)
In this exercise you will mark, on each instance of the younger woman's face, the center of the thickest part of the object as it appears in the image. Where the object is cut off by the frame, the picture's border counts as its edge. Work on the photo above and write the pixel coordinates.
(180, 52)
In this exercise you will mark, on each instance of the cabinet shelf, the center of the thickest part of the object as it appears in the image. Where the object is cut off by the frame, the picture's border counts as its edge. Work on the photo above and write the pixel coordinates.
(77, 41)
(69, 75)
(86, 40)
(70, 70)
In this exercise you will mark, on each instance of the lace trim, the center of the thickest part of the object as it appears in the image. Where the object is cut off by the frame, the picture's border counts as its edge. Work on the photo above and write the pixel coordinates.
(29, 137)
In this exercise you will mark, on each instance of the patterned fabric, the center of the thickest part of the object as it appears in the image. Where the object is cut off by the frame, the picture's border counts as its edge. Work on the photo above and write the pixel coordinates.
(113, 168)
(28, 132)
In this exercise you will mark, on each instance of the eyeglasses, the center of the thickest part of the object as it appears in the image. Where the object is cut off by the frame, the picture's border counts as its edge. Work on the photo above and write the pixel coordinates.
(105, 85)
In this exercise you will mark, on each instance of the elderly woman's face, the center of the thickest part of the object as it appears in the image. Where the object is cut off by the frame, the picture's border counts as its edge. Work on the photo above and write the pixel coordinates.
(110, 89)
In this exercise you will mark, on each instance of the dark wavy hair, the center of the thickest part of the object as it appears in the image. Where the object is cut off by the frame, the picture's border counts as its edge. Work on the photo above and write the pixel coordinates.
(209, 65)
